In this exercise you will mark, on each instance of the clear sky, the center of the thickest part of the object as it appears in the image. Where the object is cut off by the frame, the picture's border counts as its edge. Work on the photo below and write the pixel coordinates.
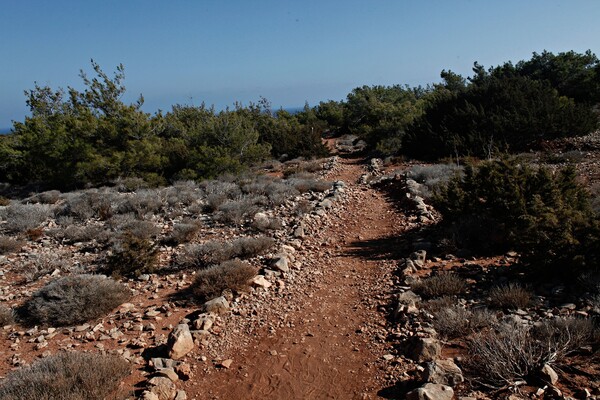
(220, 51)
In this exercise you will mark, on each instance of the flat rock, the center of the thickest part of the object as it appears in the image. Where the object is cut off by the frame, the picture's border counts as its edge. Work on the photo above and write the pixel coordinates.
(431, 391)
(261, 281)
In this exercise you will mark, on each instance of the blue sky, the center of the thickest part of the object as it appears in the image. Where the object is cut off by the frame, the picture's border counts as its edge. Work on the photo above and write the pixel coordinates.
(220, 51)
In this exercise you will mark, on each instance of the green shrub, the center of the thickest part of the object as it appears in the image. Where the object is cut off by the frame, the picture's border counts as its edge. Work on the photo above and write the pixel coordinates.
(211, 282)
(496, 114)
(503, 205)
(132, 256)
(67, 376)
(72, 300)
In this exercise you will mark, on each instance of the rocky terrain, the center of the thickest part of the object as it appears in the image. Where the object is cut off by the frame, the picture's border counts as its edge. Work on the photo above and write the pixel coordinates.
(342, 305)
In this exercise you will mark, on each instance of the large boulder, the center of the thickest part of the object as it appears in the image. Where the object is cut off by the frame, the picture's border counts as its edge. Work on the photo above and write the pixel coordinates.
(180, 342)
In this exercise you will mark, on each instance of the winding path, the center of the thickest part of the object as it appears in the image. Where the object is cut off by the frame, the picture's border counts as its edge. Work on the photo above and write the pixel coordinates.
(331, 345)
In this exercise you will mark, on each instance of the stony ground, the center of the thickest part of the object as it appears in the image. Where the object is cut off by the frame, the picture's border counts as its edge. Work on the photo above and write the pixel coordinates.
(331, 324)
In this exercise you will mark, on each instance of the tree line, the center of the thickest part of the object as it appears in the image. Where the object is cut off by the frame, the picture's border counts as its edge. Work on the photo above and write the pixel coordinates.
(79, 138)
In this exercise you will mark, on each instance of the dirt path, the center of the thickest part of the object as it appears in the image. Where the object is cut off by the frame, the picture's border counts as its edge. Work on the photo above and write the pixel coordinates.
(328, 341)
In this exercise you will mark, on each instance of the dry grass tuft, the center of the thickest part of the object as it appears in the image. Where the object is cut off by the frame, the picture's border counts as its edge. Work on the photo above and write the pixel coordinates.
(443, 284)
(9, 245)
(511, 296)
(67, 376)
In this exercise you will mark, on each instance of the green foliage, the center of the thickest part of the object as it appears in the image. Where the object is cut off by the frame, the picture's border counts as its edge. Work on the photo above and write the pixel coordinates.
(503, 205)
(497, 114)
(380, 114)
(132, 256)
(75, 139)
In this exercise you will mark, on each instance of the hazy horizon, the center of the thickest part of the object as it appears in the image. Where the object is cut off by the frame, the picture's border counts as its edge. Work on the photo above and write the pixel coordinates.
(290, 53)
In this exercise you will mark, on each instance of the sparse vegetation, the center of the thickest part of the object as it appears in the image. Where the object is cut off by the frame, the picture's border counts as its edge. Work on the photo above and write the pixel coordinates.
(215, 252)
(20, 218)
(211, 282)
(456, 321)
(510, 296)
(442, 284)
(67, 376)
(72, 300)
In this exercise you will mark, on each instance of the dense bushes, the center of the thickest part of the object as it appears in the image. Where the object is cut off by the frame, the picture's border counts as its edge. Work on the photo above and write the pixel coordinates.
(67, 376)
(91, 137)
(499, 114)
(502, 205)
(72, 300)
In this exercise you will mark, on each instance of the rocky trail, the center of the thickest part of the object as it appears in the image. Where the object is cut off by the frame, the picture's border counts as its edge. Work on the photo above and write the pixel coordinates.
(323, 335)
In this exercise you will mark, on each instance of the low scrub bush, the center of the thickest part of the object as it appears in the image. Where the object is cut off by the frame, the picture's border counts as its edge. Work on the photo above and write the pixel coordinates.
(74, 233)
(132, 256)
(443, 284)
(23, 217)
(67, 376)
(72, 300)
(503, 205)
(511, 296)
(48, 197)
(9, 245)
(236, 211)
(183, 232)
(6, 316)
(432, 177)
(566, 334)
(141, 229)
(211, 282)
(215, 252)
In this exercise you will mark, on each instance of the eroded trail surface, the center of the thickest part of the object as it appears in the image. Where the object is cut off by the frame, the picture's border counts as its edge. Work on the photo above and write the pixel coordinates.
(322, 337)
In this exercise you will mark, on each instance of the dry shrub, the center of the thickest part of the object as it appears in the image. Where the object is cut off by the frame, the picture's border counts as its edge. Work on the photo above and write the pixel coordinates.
(74, 233)
(304, 185)
(132, 256)
(511, 296)
(235, 211)
(67, 376)
(9, 245)
(266, 224)
(6, 315)
(72, 300)
(142, 229)
(456, 321)
(215, 252)
(4, 201)
(41, 265)
(49, 197)
(184, 232)
(23, 217)
(211, 282)
(515, 352)
(443, 284)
